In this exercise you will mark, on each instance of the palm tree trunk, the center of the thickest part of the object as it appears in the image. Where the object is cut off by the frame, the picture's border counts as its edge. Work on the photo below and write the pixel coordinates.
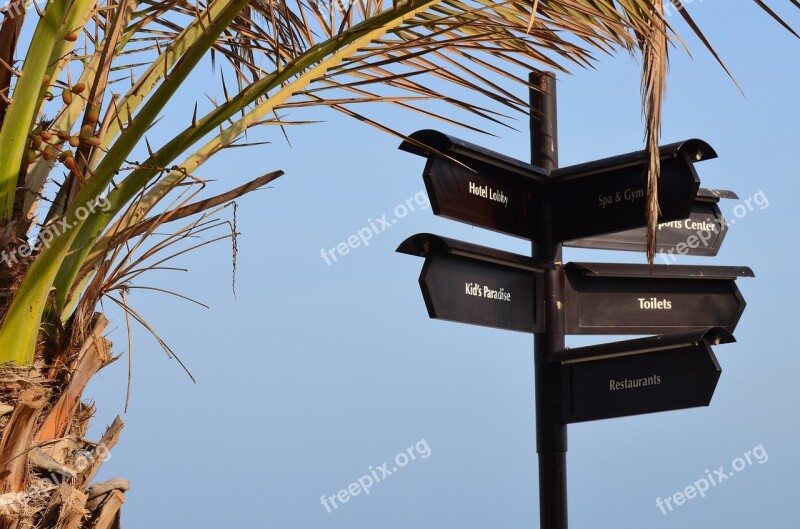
(46, 464)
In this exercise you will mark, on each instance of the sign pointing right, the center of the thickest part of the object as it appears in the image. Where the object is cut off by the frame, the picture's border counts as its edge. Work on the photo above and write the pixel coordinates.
(604, 298)
(641, 376)
(701, 233)
(610, 195)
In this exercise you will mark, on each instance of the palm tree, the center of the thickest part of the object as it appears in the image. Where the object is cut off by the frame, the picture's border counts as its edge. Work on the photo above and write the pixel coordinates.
(82, 220)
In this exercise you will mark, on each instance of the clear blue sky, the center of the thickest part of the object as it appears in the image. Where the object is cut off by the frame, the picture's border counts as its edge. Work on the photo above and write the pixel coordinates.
(315, 372)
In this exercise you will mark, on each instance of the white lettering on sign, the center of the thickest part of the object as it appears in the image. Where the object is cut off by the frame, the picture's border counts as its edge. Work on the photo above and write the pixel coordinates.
(629, 195)
(488, 192)
(501, 294)
(655, 304)
(691, 225)
(705, 225)
(627, 383)
(632, 195)
(478, 291)
(473, 289)
(675, 224)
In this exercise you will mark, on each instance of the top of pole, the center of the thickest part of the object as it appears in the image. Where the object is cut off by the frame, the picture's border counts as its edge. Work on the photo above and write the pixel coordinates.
(544, 152)
(544, 120)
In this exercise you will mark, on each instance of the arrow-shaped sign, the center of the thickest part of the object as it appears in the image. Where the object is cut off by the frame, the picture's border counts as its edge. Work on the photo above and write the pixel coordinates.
(699, 234)
(637, 299)
(641, 376)
(467, 283)
(610, 195)
(477, 186)
(472, 184)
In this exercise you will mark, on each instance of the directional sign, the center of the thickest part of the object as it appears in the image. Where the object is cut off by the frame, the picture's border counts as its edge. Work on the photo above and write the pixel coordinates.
(641, 376)
(699, 234)
(478, 186)
(467, 283)
(479, 199)
(472, 184)
(610, 195)
(638, 299)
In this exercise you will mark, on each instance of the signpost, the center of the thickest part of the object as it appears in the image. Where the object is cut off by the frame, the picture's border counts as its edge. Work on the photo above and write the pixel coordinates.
(599, 204)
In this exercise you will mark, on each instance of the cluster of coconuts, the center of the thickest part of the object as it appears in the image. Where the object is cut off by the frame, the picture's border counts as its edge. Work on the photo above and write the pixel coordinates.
(40, 143)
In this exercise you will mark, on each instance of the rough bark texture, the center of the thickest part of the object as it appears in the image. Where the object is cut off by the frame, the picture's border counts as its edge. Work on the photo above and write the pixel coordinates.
(46, 463)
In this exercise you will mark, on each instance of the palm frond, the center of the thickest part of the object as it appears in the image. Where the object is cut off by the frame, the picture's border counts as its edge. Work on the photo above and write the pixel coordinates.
(282, 56)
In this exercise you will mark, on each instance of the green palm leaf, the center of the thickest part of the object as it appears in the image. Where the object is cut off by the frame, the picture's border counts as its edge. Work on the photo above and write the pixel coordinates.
(281, 56)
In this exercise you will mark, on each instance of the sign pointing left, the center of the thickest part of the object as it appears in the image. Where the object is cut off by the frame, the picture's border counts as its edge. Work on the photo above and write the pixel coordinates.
(463, 186)
(467, 283)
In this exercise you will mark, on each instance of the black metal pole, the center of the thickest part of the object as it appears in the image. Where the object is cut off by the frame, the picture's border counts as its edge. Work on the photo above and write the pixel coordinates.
(551, 432)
